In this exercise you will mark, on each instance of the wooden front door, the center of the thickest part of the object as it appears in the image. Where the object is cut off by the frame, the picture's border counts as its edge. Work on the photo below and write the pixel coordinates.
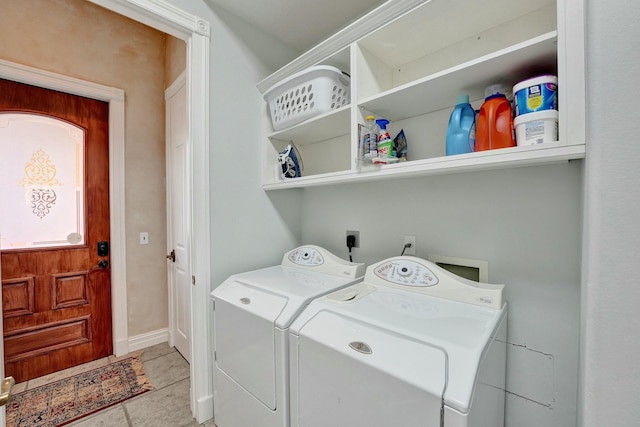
(56, 292)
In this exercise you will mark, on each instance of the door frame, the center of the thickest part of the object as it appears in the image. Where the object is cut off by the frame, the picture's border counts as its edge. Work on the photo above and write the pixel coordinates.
(195, 32)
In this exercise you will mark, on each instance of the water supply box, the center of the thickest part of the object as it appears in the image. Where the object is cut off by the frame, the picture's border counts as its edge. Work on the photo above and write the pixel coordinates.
(307, 94)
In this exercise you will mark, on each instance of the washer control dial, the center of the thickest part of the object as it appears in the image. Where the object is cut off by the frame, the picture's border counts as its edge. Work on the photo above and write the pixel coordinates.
(306, 256)
(406, 272)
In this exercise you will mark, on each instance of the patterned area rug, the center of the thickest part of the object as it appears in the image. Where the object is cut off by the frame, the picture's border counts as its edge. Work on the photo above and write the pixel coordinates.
(67, 400)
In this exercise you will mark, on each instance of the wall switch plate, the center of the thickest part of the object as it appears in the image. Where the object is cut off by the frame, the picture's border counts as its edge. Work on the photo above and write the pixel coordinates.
(412, 249)
(144, 238)
(357, 235)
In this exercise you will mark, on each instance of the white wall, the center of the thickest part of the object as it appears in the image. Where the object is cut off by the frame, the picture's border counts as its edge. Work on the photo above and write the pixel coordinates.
(610, 372)
(249, 229)
(526, 222)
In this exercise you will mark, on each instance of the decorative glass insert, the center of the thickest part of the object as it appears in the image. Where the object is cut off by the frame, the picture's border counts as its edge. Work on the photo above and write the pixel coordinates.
(41, 182)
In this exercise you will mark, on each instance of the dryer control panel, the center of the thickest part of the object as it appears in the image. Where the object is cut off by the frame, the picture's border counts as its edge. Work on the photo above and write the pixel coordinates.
(315, 258)
(406, 272)
(305, 256)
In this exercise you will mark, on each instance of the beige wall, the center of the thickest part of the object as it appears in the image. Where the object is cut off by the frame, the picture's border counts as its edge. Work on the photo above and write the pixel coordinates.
(176, 61)
(82, 40)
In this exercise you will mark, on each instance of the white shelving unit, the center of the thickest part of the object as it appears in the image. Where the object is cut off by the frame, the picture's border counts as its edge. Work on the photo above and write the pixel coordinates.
(410, 69)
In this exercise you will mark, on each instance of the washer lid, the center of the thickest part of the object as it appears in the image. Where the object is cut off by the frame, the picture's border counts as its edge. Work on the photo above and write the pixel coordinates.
(417, 363)
(463, 331)
(363, 375)
(296, 287)
(245, 339)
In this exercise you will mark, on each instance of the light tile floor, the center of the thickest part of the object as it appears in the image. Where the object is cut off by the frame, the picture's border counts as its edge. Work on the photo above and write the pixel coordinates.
(167, 405)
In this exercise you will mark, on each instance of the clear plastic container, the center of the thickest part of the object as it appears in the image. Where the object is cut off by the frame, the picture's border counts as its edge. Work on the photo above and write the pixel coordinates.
(369, 138)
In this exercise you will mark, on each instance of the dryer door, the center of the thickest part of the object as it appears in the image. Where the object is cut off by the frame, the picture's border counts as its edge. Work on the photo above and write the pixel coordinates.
(245, 338)
(351, 373)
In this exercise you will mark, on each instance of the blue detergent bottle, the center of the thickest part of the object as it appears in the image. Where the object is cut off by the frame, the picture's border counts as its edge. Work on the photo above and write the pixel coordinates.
(461, 133)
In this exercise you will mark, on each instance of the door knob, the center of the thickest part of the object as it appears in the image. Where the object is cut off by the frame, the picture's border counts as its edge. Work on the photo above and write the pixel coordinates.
(172, 255)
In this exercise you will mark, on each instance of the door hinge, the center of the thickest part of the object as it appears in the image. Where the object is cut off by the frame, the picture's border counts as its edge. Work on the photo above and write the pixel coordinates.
(193, 280)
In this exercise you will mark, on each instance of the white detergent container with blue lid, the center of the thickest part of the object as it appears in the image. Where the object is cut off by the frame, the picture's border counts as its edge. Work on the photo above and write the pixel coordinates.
(536, 94)
(252, 313)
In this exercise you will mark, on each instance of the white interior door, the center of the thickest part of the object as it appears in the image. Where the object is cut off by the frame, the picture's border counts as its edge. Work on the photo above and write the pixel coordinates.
(178, 217)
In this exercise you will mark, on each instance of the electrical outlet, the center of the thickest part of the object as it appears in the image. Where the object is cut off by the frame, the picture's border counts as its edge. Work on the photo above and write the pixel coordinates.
(411, 250)
(357, 236)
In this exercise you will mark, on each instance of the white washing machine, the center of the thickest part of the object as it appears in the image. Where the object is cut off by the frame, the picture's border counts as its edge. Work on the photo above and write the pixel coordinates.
(252, 315)
(411, 345)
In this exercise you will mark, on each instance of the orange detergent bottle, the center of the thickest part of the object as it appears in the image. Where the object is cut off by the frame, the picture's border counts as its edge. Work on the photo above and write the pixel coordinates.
(495, 124)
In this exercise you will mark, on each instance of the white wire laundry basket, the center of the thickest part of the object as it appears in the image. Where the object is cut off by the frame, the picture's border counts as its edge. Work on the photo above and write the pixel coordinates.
(309, 93)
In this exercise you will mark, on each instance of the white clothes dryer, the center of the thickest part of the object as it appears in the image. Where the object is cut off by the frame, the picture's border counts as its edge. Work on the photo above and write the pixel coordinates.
(412, 345)
(252, 315)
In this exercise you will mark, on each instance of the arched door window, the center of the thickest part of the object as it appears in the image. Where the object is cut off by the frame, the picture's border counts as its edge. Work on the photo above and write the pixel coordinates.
(41, 182)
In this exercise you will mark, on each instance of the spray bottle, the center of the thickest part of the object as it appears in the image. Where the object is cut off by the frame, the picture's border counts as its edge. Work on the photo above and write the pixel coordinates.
(385, 143)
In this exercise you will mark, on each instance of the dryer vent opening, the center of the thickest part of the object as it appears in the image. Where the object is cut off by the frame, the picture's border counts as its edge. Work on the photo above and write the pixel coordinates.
(472, 269)
(471, 273)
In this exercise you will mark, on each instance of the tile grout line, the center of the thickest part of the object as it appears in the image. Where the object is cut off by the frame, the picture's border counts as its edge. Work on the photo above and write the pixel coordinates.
(126, 414)
(158, 356)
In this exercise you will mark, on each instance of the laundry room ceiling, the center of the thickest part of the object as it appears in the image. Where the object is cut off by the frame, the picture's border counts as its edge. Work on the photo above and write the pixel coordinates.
(299, 23)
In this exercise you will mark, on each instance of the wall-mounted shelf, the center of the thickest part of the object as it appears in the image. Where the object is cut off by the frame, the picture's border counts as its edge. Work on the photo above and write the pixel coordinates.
(321, 128)
(433, 92)
(494, 159)
(410, 70)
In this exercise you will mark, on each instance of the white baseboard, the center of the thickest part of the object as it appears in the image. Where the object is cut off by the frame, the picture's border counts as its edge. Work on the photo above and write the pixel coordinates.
(204, 411)
(148, 339)
(204, 405)
(121, 347)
